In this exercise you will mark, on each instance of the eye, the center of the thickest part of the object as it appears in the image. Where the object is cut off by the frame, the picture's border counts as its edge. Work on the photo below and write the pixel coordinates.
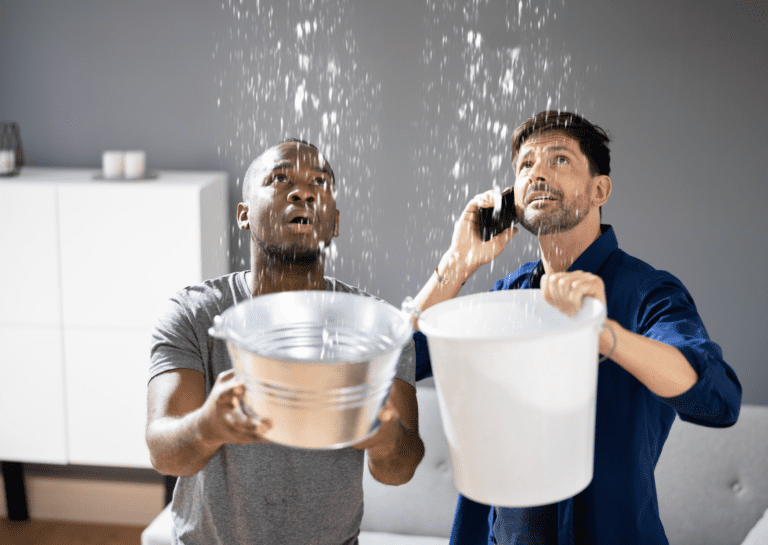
(278, 178)
(561, 160)
(319, 181)
(526, 164)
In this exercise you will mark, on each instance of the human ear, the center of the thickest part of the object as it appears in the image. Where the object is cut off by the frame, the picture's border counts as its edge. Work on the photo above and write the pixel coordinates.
(336, 225)
(601, 190)
(242, 216)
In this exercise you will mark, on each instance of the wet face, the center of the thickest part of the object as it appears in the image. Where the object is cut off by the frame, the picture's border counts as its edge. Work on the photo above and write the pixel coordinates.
(290, 206)
(553, 185)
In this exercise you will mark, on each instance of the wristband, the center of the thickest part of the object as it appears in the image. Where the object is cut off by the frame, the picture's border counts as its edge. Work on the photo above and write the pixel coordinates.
(441, 280)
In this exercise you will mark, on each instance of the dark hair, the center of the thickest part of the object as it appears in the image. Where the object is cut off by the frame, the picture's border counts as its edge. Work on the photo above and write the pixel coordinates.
(254, 167)
(592, 140)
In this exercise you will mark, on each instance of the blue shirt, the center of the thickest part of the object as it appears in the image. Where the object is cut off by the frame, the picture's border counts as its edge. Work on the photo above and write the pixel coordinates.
(619, 505)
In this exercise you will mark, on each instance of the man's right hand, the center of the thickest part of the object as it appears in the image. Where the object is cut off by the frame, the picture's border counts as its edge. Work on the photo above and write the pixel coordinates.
(223, 419)
(468, 251)
(186, 427)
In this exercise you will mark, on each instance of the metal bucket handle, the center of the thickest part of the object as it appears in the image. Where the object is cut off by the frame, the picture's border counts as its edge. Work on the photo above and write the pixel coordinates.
(615, 343)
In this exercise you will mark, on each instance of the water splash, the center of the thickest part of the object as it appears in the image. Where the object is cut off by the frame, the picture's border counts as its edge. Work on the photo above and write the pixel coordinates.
(493, 64)
(291, 69)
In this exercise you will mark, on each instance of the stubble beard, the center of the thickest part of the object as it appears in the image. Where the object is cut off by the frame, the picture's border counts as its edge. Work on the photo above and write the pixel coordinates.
(293, 255)
(561, 220)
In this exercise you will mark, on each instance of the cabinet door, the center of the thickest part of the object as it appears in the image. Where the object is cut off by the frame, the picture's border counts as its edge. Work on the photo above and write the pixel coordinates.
(106, 379)
(32, 422)
(29, 255)
(125, 249)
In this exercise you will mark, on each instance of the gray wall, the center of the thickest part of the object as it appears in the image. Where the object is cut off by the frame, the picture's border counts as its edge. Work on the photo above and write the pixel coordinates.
(679, 85)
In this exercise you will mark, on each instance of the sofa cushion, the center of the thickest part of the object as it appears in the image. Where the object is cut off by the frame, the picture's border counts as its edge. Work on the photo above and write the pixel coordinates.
(159, 532)
(712, 483)
(758, 535)
(385, 538)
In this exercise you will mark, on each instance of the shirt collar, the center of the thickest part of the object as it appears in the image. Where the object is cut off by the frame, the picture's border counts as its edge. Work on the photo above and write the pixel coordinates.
(592, 259)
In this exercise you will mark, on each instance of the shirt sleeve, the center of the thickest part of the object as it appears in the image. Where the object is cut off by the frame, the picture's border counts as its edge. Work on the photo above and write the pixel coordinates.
(423, 363)
(174, 342)
(669, 315)
(406, 366)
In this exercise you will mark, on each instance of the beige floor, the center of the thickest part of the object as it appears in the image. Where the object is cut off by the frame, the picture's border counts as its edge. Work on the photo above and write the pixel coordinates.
(44, 532)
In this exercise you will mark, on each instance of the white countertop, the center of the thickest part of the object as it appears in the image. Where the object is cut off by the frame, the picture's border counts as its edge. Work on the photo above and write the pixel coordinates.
(87, 176)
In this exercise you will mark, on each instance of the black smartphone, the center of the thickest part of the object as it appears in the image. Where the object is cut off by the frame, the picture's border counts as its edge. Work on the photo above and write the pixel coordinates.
(492, 224)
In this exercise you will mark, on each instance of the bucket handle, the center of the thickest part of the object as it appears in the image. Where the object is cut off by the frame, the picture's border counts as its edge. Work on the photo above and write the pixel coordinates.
(613, 348)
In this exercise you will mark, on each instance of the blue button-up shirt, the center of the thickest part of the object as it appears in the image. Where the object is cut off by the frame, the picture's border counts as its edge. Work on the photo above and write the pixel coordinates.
(619, 505)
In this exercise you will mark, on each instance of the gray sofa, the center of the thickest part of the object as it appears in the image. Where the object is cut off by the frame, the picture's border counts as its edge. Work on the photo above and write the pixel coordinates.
(712, 486)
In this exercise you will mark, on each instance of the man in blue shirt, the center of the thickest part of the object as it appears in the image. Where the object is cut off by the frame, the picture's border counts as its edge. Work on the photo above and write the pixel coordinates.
(663, 363)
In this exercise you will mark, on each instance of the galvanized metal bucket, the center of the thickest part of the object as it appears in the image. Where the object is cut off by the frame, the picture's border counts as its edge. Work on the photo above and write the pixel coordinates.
(319, 364)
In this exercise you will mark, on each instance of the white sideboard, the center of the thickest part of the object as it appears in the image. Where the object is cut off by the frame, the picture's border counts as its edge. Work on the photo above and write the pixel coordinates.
(86, 267)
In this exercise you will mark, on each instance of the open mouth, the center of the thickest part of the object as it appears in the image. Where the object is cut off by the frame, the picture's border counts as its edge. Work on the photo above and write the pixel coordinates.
(300, 221)
(541, 198)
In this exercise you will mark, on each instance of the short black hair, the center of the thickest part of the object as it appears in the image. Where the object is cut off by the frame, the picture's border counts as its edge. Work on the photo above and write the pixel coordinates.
(592, 140)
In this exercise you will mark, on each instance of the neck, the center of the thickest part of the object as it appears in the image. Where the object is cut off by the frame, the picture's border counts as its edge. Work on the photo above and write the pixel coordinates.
(560, 250)
(269, 276)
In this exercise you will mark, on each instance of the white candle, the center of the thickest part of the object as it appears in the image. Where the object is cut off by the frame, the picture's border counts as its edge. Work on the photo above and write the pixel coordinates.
(135, 162)
(7, 161)
(112, 163)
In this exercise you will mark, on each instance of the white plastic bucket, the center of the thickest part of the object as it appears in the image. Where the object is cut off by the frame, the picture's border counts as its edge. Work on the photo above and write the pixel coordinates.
(517, 386)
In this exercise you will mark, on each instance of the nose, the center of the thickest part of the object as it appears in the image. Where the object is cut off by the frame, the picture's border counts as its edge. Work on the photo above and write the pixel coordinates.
(301, 192)
(538, 171)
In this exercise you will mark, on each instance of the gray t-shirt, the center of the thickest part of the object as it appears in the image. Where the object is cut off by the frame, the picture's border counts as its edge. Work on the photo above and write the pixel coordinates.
(261, 492)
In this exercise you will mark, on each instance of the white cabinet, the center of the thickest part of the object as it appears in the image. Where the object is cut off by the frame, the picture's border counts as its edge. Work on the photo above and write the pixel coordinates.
(29, 255)
(86, 269)
(32, 418)
(106, 388)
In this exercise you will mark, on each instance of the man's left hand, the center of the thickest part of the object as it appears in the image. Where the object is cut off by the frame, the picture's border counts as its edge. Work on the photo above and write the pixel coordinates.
(384, 442)
(566, 291)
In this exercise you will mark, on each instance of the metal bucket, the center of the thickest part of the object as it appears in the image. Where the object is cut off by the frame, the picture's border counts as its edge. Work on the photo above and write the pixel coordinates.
(319, 364)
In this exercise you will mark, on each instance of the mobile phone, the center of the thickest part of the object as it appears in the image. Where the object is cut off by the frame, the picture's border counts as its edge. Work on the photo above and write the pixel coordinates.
(491, 224)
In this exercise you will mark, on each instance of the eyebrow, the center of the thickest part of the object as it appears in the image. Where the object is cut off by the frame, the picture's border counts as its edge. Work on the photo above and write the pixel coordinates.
(549, 149)
(292, 164)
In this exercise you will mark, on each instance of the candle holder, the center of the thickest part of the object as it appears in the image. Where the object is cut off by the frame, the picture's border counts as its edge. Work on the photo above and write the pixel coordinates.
(11, 151)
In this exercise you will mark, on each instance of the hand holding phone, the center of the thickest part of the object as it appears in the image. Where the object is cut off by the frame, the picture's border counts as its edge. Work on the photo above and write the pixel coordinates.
(493, 221)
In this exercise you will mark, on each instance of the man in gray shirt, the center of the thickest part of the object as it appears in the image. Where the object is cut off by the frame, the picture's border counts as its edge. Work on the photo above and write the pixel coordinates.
(234, 486)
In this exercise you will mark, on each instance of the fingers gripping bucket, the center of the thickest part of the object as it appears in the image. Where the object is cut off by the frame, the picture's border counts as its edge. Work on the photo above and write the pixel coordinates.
(517, 386)
(318, 364)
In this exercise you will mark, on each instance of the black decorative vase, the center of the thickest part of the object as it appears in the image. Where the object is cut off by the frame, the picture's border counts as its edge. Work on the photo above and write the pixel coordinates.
(11, 151)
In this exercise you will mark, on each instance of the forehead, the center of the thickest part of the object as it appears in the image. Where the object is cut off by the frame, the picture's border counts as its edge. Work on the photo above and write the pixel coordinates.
(548, 140)
(293, 155)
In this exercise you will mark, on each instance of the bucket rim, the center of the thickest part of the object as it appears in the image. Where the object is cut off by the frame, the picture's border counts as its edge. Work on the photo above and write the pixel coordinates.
(222, 330)
(431, 331)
